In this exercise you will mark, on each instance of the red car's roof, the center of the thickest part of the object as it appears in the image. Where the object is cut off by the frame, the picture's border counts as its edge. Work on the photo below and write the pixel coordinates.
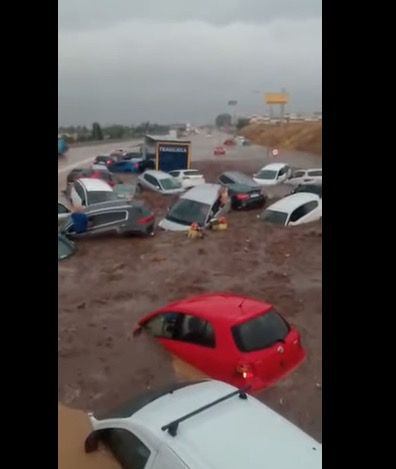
(224, 307)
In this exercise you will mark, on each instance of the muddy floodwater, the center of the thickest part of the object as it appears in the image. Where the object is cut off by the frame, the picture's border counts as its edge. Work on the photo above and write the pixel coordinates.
(112, 282)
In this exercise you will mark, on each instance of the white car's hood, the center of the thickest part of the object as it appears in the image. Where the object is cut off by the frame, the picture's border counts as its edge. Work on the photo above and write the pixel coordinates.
(172, 191)
(172, 226)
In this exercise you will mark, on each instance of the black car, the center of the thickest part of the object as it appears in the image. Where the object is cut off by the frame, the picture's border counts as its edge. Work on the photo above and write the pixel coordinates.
(105, 160)
(148, 163)
(245, 193)
(114, 216)
(311, 188)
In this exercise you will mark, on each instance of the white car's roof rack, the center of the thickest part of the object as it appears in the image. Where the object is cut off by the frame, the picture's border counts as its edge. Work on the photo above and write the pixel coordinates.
(173, 426)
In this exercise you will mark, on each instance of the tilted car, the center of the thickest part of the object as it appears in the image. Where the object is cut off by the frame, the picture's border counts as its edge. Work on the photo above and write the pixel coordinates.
(243, 190)
(117, 217)
(236, 339)
(188, 177)
(294, 209)
(159, 181)
(201, 425)
(85, 191)
(272, 174)
(201, 205)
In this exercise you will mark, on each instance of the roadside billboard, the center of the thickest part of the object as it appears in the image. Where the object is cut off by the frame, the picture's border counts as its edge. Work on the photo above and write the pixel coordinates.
(276, 98)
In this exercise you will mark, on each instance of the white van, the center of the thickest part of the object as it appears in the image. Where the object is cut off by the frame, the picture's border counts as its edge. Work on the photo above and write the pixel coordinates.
(198, 205)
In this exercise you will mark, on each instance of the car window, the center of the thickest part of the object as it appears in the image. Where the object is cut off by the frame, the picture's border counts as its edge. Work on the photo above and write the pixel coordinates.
(299, 174)
(170, 183)
(225, 179)
(151, 179)
(127, 448)
(267, 174)
(183, 327)
(274, 216)
(174, 173)
(96, 197)
(106, 218)
(192, 172)
(261, 332)
(80, 192)
(62, 208)
(186, 212)
(303, 210)
(282, 171)
(315, 173)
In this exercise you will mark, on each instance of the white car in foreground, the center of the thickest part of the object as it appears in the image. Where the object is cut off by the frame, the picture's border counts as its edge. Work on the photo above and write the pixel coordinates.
(88, 191)
(159, 181)
(306, 176)
(188, 177)
(272, 174)
(294, 209)
(204, 425)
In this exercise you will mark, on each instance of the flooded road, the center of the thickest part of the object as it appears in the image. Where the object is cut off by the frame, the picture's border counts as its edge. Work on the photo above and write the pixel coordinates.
(112, 282)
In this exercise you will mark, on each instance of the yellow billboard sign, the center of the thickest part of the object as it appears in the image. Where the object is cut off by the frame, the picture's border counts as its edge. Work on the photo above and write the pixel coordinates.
(276, 98)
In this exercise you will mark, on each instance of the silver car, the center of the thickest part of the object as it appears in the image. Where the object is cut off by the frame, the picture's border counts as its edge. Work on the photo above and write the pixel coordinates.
(161, 182)
(201, 205)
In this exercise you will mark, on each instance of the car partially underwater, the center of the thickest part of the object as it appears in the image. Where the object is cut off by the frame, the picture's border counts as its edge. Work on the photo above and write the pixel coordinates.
(118, 217)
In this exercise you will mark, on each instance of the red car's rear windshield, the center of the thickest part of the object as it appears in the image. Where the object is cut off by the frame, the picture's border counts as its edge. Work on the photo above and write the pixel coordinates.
(261, 332)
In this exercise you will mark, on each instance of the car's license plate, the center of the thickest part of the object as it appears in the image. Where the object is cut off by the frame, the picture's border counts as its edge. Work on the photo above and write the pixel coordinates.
(254, 195)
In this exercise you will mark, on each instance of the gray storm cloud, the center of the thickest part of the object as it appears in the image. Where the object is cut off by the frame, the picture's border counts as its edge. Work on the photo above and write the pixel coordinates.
(177, 64)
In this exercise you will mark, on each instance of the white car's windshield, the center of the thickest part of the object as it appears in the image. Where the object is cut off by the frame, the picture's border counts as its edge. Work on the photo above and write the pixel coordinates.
(96, 197)
(266, 174)
(168, 184)
(187, 212)
(274, 217)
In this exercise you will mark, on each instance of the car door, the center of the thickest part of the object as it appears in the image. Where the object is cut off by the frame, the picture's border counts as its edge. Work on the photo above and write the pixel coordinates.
(109, 221)
(314, 176)
(152, 182)
(63, 212)
(77, 195)
(190, 338)
(297, 177)
(283, 174)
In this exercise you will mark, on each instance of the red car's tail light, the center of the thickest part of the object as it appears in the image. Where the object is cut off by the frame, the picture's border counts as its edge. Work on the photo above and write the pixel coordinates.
(242, 196)
(146, 220)
(245, 369)
(109, 161)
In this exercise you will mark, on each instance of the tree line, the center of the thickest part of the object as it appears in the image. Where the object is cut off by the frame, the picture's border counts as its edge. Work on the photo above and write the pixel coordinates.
(111, 132)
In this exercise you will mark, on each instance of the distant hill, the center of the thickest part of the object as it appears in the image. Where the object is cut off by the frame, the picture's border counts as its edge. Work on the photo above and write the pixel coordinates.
(302, 136)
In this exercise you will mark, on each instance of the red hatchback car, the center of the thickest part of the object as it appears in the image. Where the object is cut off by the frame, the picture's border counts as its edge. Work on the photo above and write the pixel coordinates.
(236, 339)
(219, 151)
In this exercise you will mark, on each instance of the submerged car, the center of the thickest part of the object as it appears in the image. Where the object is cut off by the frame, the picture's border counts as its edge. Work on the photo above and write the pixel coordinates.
(188, 177)
(103, 162)
(159, 181)
(244, 192)
(86, 191)
(236, 339)
(202, 425)
(200, 205)
(117, 217)
(294, 209)
(66, 247)
(272, 174)
(219, 151)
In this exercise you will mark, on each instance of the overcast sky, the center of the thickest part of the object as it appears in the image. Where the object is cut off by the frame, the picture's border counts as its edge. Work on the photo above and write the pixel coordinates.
(128, 61)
